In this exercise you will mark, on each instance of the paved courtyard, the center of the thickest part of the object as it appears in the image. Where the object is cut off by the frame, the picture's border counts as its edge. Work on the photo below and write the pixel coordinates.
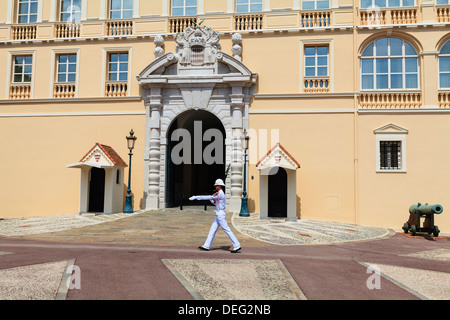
(154, 255)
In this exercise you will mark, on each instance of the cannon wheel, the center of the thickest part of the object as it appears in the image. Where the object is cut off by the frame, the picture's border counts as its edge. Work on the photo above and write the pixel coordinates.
(435, 230)
(413, 230)
(405, 227)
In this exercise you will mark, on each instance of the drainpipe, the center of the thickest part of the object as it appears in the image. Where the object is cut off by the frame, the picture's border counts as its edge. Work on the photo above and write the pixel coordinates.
(355, 113)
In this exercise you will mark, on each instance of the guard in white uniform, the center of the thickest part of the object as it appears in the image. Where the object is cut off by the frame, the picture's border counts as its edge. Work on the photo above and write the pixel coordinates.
(219, 200)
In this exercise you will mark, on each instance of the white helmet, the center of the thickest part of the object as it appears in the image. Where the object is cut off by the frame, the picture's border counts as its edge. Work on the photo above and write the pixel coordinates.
(219, 182)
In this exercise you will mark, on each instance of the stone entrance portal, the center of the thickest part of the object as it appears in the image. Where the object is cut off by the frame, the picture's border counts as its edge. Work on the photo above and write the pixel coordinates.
(193, 167)
(198, 76)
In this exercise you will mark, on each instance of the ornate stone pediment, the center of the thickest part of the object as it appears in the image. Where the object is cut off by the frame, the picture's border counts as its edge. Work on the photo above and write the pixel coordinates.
(197, 47)
(197, 76)
(197, 54)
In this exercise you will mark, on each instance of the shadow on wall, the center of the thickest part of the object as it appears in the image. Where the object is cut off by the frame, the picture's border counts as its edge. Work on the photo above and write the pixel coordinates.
(251, 205)
(299, 207)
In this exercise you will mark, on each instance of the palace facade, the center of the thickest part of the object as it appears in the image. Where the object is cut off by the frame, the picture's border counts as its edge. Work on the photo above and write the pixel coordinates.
(346, 103)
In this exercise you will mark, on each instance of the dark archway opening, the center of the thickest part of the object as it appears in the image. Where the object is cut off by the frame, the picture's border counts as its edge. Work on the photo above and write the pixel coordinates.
(97, 190)
(197, 175)
(277, 201)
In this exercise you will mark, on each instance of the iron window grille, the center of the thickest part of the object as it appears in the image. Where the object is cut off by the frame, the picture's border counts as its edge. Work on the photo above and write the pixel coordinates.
(390, 155)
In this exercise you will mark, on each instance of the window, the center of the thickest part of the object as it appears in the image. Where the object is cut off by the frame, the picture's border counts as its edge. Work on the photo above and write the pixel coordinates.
(390, 155)
(118, 67)
(315, 4)
(387, 3)
(444, 66)
(389, 63)
(316, 61)
(22, 69)
(67, 68)
(243, 6)
(121, 9)
(27, 11)
(184, 7)
(70, 10)
(442, 2)
(391, 148)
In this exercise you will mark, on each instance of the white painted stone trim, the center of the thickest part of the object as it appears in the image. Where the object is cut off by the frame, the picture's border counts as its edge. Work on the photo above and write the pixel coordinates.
(53, 68)
(391, 133)
(9, 70)
(330, 43)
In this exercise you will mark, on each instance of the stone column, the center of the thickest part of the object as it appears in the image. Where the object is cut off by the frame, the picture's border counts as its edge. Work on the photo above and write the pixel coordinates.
(237, 107)
(154, 108)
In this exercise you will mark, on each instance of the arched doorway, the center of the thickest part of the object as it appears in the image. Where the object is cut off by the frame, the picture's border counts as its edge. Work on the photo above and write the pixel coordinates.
(195, 156)
(97, 190)
(277, 202)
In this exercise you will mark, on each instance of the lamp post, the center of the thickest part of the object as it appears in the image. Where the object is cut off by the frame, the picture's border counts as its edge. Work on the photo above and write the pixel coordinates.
(244, 200)
(131, 139)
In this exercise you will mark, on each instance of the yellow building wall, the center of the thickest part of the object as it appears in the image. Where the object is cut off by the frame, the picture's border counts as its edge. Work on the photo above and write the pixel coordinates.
(323, 146)
(330, 186)
(37, 181)
(384, 198)
(281, 4)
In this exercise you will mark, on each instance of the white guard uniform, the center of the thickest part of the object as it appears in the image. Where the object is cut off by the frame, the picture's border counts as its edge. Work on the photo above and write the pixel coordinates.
(219, 200)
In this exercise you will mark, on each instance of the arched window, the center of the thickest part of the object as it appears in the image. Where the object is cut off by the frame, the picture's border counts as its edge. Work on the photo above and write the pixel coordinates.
(444, 66)
(389, 63)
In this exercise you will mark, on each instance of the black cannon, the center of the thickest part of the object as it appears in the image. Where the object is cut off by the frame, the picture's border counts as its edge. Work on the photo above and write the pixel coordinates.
(428, 211)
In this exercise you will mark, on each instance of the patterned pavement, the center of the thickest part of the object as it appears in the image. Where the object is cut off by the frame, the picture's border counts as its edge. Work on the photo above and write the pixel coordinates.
(153, 255)
(164, 228)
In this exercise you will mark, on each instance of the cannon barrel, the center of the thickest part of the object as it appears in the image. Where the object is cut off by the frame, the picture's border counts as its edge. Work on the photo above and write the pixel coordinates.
(426, 209)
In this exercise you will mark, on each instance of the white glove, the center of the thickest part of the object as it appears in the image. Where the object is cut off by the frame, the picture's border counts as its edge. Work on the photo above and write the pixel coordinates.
(193, 198)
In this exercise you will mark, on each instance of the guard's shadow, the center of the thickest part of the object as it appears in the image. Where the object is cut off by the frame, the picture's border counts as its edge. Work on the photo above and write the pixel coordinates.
(224, 248)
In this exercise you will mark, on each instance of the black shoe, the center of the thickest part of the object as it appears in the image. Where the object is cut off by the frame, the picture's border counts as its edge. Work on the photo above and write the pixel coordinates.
(235, 250)
(203, 248)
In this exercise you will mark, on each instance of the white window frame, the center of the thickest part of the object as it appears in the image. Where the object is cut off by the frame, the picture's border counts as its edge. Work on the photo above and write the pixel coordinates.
(29, 13)
(23, 65)
(389, 57)
(54, 68)
(118, 66)
(317, 43)
(391, 132)
(105, 71)
(58, 65)
(9, 71)
(121, 10)
(184, 6)
(316, 58)
(447, 55)
(77, 13)
(248, 4)
(375, 5)
(315, 5)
